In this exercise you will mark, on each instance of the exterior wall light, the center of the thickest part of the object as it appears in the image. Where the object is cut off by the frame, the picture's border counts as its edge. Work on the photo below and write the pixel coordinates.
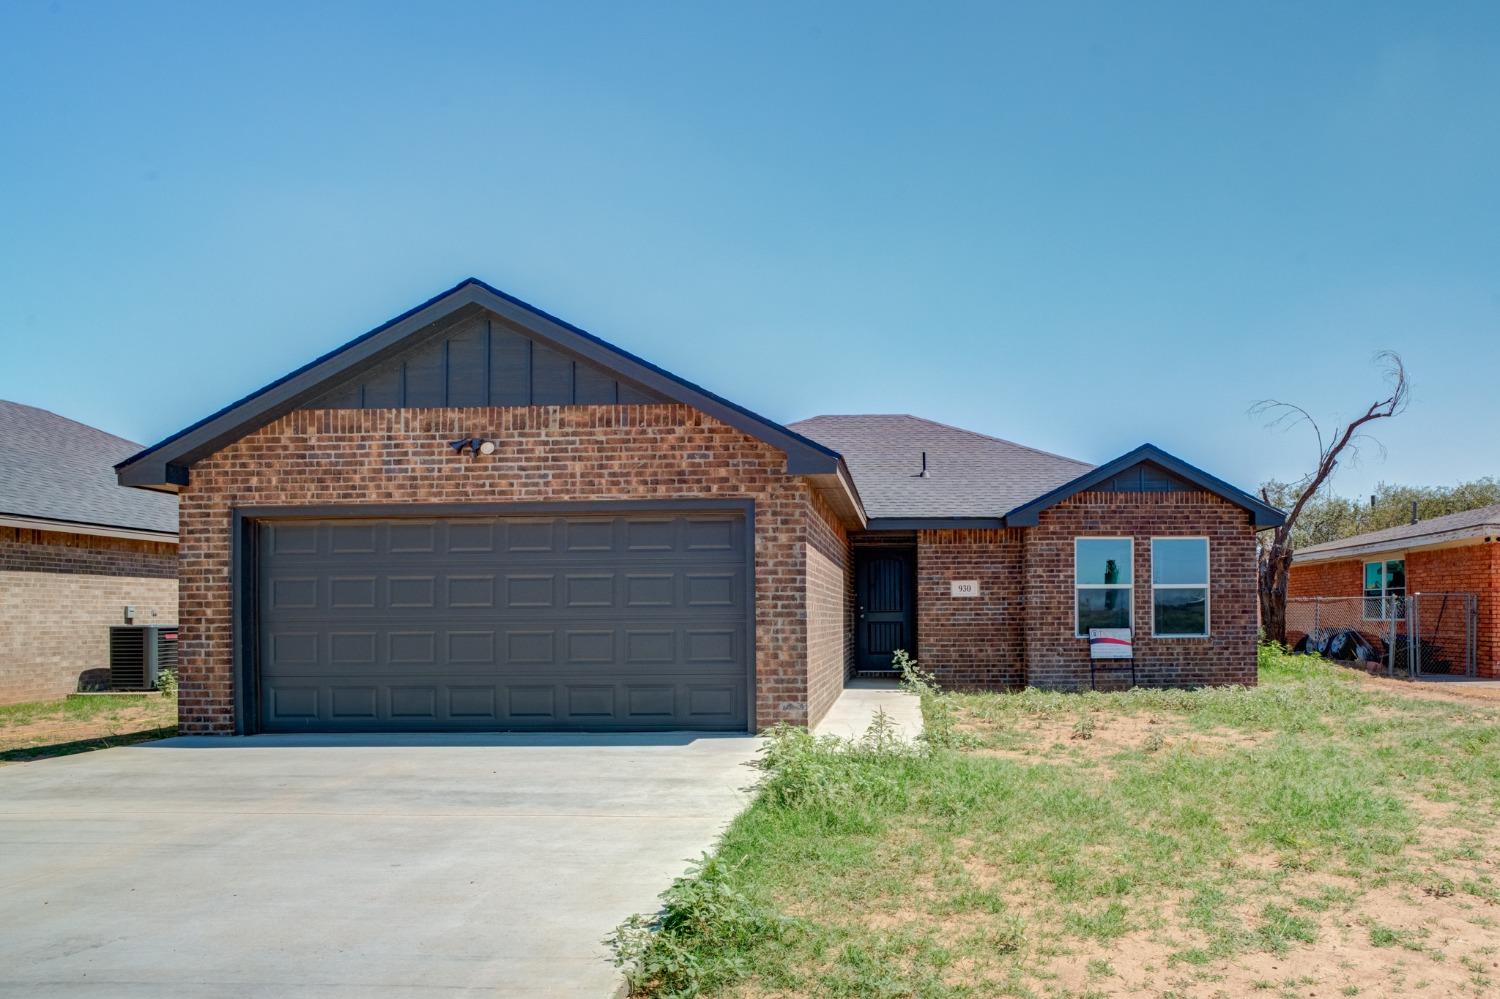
(475, 445)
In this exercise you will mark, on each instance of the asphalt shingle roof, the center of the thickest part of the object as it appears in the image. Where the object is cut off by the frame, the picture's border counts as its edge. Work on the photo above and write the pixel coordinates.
(55, 468)
(969, 474)
(1479, 521)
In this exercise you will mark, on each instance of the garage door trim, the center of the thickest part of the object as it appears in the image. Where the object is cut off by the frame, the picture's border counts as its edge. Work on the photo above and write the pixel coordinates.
(245, 521)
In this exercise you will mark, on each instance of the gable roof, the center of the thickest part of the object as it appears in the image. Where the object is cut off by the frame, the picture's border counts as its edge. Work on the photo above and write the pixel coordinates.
(1261, 514)
(55, 469)
(972, 478)
(1480, 522)
(166, 465)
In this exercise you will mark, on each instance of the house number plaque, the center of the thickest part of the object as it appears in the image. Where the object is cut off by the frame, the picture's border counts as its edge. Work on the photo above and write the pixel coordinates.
(964, 587)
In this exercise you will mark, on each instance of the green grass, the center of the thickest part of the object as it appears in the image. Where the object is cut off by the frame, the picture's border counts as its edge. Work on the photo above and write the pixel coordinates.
(1027, 849)
(61, 727)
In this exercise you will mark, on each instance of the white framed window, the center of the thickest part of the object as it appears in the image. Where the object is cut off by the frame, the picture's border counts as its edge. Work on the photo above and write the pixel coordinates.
(1179, 587)
(1385, 590)
(1103, 583)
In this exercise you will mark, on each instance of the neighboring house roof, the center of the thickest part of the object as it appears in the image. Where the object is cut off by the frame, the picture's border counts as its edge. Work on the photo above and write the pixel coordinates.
(166, 465)
(1261, 514)
(970, 476)
(57, 470)
(1481, 522)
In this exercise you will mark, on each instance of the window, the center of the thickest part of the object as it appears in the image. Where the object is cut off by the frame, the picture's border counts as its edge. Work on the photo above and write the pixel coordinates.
(1102, 583)
(1385, 590)
(1179, 587)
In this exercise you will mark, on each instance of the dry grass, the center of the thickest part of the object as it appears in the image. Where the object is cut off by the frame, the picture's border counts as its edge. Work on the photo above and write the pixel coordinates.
(75, 725)
(1315, 836)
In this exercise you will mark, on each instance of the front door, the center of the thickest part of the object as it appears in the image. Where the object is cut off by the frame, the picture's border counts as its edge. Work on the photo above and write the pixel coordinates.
(885, 608)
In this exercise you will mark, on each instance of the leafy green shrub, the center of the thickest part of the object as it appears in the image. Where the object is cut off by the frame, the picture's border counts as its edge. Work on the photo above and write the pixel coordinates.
(701, 938)
(166, 682)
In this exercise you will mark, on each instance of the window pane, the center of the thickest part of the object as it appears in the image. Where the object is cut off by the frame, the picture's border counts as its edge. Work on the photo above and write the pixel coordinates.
(1373, 580)
(1103, 609)
(1182, 612)
(1179, 560)
(1102, 560)
(1395, 575)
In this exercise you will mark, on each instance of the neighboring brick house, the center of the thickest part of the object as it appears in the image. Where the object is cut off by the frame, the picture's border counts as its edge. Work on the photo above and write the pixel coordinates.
(479, 517)
(1454, 554)
(76, 549)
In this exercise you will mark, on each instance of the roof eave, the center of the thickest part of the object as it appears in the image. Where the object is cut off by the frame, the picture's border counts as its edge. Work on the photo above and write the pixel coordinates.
(164, 466)
(1458, 537)
(1262, 515)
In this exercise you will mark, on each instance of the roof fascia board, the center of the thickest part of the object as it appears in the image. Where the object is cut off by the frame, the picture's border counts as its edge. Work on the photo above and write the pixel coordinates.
(804, 456)
(1457, 538)
(166, 463)
(1261, 514)
(93, 530)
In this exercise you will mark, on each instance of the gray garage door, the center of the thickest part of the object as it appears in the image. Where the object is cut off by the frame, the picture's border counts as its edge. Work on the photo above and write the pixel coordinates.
(635, 621)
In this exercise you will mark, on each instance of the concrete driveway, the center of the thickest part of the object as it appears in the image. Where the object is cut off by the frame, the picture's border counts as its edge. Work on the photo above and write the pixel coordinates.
(349, 866)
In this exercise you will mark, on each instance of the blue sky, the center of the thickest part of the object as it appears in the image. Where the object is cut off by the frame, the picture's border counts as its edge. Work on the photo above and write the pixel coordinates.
(1079, 226)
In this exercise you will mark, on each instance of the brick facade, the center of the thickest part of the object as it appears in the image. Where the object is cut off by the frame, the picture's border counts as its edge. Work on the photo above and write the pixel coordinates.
(545, 453)
(971, 642)
(830, 607)
(1472, 568)
(1056, 659)
(60, 593)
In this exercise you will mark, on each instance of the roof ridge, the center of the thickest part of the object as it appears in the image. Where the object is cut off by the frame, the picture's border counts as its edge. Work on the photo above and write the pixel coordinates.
(998, 440)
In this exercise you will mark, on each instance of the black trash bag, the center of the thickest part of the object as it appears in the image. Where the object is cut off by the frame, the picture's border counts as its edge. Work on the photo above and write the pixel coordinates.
(1346, 645)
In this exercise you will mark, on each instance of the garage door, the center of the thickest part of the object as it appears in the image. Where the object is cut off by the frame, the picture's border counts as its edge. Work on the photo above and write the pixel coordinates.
(635, 621)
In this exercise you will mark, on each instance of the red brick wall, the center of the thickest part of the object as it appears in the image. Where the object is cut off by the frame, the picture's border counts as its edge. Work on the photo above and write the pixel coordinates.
(1344, 578)
(830, 595)
(971, 642)
(1056, 659)
(59, 595)
(545, 453)
(1465, 569)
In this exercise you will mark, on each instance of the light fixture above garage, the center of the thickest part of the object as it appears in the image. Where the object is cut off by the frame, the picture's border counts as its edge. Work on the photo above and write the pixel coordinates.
(475, 445)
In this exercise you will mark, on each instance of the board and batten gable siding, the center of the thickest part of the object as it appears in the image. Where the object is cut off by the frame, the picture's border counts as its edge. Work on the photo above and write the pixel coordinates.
(1055, 659)
(544, 454)
(478, 359)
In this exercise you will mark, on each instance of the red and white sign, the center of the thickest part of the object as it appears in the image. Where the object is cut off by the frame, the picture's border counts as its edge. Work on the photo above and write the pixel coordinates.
(1110, 643)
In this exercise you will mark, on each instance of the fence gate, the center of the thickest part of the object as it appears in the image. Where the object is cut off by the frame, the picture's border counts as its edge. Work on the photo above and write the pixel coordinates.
(1418, 634)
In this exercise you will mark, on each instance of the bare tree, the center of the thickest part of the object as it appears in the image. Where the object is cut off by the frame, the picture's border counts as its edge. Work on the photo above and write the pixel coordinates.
(1275, 550)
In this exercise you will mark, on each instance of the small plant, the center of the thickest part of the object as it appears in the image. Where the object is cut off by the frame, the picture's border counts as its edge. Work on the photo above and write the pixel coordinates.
(940, 726)
(166, 682)
(1083, 728)
(1154, 742)
(701, 938)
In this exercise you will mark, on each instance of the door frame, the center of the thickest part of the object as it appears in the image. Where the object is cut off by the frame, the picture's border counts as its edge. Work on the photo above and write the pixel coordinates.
(864, 551)
(245, 524)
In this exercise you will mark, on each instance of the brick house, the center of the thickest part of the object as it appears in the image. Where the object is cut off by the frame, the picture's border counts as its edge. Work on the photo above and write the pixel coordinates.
(1454, 554)
(76, 550)
(477, 516)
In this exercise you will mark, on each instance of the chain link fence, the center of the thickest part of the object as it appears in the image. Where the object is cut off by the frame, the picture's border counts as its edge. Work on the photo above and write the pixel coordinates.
(1417, 634)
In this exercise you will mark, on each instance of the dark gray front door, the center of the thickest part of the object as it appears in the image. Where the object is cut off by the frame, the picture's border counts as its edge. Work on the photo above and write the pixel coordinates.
(629, 621)
(884, 605)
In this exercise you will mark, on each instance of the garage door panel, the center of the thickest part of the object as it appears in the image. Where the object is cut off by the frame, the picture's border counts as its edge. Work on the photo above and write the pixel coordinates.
(594, 622)
(449, 703)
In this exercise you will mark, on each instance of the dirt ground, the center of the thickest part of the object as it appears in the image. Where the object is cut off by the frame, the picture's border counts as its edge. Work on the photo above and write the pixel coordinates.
(1458, 691)
(58, 728)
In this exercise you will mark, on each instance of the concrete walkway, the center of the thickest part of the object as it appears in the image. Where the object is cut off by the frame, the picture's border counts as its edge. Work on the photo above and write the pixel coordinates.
(857, 706)
(348, 866)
